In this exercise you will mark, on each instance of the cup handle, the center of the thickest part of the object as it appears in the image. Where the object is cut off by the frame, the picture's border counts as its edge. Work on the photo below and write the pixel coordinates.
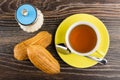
(102, 60)
(100, 52)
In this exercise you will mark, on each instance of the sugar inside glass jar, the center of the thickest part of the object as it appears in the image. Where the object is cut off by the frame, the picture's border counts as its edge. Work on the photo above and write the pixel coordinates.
(29, 18)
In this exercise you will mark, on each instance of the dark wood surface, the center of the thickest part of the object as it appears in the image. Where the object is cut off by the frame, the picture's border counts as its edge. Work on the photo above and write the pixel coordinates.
(54, 12)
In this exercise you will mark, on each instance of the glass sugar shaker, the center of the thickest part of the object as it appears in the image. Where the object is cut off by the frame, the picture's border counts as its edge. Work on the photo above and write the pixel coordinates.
(29, 18)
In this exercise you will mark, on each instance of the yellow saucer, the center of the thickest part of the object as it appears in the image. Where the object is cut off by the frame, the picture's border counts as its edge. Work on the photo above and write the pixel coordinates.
(74, 59)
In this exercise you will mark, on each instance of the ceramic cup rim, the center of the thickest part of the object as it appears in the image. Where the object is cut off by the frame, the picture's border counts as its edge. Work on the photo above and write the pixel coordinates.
(75, 25)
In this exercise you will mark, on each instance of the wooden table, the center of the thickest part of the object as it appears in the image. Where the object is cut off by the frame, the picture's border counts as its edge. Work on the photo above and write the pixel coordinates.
(54, 12)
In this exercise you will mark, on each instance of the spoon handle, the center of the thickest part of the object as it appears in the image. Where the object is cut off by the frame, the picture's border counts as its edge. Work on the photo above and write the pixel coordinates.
(99, 60)
(63, 49)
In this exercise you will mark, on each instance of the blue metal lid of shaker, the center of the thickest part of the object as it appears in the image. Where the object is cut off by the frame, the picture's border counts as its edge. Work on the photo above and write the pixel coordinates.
(26, 14)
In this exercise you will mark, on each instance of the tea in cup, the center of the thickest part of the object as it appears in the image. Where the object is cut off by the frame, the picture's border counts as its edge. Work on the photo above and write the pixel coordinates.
(82, 38)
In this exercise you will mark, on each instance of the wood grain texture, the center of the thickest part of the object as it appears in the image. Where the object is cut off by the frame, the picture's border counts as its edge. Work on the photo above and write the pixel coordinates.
(54, 12)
